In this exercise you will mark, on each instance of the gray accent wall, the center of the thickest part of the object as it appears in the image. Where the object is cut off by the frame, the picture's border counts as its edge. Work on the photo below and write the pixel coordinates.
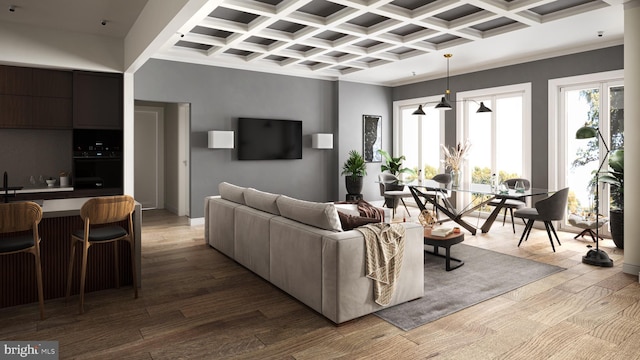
(355, 101)
(538, 73)
(218, 97)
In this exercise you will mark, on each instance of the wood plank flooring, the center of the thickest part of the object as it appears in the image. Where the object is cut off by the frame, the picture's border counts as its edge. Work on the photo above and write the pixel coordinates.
(198, 304)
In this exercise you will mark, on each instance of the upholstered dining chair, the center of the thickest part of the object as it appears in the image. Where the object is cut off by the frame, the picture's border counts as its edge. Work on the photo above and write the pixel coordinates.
(392, 192)
(19, 227)
(444, 179)
(105, 212)
(511, 204)
(547, 210)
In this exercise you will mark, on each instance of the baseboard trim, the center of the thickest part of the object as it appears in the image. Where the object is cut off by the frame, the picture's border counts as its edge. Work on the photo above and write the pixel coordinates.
(196, 221)
(631, 269)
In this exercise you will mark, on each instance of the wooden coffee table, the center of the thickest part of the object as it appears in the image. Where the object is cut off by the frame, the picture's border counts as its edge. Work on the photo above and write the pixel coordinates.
(445, 242)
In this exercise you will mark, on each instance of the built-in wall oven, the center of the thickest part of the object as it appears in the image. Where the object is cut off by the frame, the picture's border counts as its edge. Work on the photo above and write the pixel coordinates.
(97, 159)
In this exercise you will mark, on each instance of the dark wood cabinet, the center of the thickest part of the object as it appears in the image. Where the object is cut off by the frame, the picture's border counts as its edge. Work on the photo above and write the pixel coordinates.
(52, 113)
(15, 111)
(15, 80)
(97, 100)
(35, 98)
(52, 83)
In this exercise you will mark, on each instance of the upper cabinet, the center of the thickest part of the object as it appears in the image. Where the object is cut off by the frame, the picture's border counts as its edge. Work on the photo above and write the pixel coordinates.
(35, 98)
(15, 80)
(97, 100)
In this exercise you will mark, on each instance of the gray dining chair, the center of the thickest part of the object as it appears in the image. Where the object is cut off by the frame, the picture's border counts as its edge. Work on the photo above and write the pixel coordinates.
(547, 210)
(392, 192)
(511, 204)
(444, 179)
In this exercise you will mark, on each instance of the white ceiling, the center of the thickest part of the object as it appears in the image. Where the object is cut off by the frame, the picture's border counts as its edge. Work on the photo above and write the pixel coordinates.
(388, 42)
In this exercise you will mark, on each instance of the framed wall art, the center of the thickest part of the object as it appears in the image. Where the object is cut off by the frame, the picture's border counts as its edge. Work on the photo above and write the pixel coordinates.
(372, 137)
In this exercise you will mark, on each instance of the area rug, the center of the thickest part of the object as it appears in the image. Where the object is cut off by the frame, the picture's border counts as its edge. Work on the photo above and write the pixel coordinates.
(484, 275)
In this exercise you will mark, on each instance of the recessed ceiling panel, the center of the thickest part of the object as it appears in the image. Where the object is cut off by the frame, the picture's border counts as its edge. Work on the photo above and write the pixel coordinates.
(313, 35)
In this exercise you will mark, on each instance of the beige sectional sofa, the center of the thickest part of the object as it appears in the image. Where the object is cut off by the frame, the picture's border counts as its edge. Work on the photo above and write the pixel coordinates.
(300, 247)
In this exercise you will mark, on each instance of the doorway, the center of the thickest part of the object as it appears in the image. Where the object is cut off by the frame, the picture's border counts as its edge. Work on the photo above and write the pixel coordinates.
(161, 156)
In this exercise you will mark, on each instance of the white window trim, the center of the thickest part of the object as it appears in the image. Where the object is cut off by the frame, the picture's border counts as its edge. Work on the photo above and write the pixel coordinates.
(462, 124)
(525, 89)
(555, 135)
(397, 125)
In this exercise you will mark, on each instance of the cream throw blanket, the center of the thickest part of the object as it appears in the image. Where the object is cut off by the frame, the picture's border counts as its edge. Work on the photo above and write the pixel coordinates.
(385, 249)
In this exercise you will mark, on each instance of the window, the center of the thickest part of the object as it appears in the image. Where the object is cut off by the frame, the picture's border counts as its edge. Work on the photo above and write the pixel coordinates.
(418, 137)
(500, 140)
(595, 100)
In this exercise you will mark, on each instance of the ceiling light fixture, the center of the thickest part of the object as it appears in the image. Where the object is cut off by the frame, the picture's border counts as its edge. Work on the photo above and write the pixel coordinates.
(444, 101)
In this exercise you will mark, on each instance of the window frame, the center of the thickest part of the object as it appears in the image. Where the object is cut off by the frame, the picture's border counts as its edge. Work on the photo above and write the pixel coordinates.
(400, 105)
(557, 131)
(493, 93)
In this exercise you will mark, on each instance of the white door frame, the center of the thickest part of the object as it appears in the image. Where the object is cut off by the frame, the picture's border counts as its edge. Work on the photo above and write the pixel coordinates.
(159, 150)
(184, 129)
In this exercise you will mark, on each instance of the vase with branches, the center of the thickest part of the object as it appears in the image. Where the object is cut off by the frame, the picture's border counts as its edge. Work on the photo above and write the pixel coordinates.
(453, 159)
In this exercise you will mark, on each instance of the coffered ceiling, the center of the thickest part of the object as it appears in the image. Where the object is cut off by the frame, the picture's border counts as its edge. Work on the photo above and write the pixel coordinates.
(386, 42)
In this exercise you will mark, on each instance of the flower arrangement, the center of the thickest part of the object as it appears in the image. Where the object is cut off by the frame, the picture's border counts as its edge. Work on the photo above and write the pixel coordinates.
(454, 156)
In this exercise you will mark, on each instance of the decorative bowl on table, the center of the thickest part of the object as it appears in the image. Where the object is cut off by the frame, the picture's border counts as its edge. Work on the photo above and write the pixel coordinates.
(51, 182)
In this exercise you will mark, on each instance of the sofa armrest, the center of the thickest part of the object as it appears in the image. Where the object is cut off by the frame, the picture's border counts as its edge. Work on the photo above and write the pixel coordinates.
(347, 292)
(219, 225)
(207, 199)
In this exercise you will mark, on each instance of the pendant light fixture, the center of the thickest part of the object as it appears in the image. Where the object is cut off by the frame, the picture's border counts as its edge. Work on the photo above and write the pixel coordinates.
(444, 101)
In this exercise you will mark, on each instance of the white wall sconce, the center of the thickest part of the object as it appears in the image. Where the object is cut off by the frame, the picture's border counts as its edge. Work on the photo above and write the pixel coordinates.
(220, 139)
(322, 141)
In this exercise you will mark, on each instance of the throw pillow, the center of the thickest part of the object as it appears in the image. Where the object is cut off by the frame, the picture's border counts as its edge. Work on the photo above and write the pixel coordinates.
(324, 216)
(362, 208)
(350, 222)
(262, 200)
(231, 192)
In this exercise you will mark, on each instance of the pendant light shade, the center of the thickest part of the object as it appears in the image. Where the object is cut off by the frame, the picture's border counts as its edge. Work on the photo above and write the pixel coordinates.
(443, 104)
(444, 101)
(483, 108)
(586, 132)
(419, 111)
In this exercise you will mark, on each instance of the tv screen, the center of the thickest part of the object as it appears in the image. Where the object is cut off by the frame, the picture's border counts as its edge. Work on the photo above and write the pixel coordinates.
(269, 139)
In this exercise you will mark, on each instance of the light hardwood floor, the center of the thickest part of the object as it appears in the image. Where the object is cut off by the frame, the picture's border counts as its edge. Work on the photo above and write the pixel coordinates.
(197, 304)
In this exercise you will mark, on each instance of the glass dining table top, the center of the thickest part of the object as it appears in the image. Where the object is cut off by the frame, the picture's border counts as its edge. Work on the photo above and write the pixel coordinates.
(484, 189)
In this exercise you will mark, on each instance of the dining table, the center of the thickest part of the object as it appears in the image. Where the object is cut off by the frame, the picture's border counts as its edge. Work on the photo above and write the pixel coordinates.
(437, 194)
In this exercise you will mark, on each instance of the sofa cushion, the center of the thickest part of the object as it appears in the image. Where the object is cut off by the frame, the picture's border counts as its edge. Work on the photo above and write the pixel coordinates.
(350, 222)
(323, 216)
(231, 192)
(261, 200)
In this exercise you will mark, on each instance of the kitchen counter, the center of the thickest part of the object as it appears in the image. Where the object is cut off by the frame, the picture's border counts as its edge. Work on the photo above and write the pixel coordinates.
(38, 189)
(65, 207)
(60, 217)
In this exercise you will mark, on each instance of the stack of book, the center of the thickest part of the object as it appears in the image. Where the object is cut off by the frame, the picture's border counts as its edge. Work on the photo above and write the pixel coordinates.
(441, 231)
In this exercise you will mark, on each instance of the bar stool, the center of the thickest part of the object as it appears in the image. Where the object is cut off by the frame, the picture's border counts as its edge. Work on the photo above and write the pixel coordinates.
(16, 219)
(106, 212)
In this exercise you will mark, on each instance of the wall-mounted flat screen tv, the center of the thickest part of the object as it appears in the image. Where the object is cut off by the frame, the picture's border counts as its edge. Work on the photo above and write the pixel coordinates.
(269, 139)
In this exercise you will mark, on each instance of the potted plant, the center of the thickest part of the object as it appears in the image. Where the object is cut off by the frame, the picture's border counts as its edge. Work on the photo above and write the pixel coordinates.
(394, 164)
(354, 169)
(615, 178)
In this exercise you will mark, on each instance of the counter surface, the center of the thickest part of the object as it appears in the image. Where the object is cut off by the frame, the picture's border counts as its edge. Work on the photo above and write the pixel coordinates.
(63, 207)
(40, 189)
